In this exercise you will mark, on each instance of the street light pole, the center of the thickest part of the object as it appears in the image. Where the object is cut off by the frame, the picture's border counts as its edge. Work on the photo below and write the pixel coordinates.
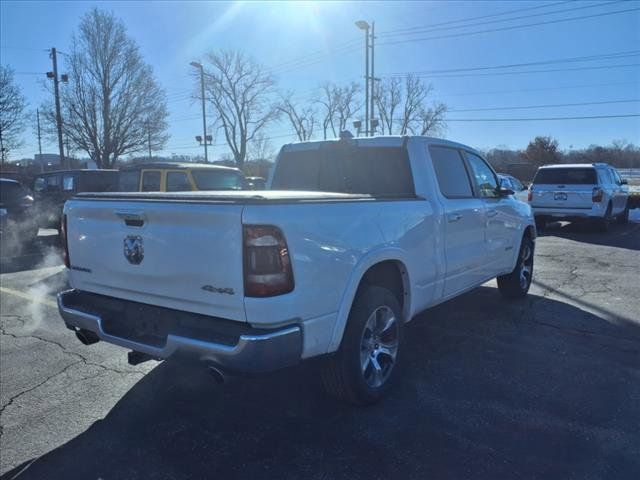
(372, 81)
(204, 112)
(363, 25)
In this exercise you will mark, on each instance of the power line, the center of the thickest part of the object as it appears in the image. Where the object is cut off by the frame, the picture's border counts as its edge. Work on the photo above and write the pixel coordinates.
(322, 53)
(311, 61)
(419, 27)
(591, 117)
(525, 107)
(588, 58)
(427, 29)
(625, 65)
(499, 92)
(512, 27)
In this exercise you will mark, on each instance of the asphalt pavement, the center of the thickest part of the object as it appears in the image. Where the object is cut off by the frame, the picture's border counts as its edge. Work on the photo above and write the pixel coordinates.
(548, 387)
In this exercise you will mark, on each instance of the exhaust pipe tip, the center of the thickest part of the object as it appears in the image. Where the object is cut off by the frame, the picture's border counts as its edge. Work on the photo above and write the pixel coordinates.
(87, 337)
(216, 374)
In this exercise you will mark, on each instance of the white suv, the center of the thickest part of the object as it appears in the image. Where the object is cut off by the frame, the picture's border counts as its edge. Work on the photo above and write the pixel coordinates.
(591, 191)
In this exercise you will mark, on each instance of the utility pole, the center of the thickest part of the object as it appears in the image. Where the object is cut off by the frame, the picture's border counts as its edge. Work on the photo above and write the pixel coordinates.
(372, 81)
(39, 136)
(204, 111)
(56, 91)
(368, 77)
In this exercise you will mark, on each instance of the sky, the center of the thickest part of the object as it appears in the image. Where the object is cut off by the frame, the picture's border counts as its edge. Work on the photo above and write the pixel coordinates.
(307, 43)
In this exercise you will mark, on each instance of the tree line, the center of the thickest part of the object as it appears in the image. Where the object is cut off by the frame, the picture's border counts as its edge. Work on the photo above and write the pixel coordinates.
(544, 150)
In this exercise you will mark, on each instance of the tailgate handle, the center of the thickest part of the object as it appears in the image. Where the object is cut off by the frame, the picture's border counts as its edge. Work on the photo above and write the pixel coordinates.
(131, 219)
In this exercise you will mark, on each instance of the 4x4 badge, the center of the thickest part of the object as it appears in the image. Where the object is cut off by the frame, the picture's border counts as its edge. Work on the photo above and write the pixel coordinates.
(134, 249)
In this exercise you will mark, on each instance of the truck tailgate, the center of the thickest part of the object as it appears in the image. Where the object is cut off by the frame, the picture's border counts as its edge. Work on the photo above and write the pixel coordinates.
(186, 256)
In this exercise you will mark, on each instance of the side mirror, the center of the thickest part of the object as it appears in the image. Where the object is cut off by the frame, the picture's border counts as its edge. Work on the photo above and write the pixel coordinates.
(504, 190)
(624, 182)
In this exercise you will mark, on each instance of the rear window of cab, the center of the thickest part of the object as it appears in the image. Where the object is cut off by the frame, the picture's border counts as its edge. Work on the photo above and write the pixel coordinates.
(566, 176)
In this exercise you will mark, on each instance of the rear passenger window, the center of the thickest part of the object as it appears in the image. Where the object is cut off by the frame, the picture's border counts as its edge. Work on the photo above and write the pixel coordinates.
(178, 182)
(151, 182)
(453, 179)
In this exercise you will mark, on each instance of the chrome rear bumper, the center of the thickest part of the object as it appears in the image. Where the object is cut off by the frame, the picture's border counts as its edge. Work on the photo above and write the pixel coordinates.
(261, 352)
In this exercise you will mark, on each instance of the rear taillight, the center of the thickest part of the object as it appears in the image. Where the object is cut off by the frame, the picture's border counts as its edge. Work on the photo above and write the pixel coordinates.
(596, 196)
(65, 243)
(267, 266)
(529, 196)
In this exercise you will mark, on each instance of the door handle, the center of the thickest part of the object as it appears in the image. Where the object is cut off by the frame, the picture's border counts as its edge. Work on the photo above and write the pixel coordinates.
(492, 213)
(454, 217)
(131, 219)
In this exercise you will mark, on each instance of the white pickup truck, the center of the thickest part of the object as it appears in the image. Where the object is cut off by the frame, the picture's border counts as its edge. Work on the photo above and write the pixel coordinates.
(352, 240)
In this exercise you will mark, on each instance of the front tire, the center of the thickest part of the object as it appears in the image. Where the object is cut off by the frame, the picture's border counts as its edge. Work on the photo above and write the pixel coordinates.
(363, 368)
(516, 284)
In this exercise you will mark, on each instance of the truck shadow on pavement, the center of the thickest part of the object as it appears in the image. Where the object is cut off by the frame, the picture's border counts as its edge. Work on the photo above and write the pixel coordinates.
(619, 236)
(489, 389)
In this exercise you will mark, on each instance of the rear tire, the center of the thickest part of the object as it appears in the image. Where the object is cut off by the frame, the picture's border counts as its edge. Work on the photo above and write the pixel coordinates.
(541, 222)
(623, 218)
(603, 224)
(516, 284)
(364, 366)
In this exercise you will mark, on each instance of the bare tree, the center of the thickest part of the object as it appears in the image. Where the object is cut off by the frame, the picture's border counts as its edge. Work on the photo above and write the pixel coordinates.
(12, 112)
(387, 98)
(112, 104)
(416, 93)
(339, 106)
(402, 107)
(301, 117)
(260, 148)
(431, 119)
(348, 104)
(241, 92)
(328, 100)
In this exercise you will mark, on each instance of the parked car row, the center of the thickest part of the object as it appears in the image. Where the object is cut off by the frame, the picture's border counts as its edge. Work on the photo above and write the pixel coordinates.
(25, 211)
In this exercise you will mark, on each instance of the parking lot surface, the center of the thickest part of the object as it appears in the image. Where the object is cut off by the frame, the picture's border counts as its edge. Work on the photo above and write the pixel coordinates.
(548, 387)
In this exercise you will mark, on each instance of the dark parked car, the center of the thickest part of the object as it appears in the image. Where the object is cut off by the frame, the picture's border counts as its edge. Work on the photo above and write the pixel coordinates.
(16, 212)
(52, 189)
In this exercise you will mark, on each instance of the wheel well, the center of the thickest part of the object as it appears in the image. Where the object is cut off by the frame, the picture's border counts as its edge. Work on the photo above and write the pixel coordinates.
(389, 274)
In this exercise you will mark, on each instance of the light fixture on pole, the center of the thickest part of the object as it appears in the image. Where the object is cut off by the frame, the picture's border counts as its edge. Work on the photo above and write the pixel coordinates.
(363, 25)
(199, 66)
(358, 126)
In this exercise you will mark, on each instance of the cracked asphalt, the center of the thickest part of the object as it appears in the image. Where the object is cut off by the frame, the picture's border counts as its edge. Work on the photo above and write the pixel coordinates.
(548, 387)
